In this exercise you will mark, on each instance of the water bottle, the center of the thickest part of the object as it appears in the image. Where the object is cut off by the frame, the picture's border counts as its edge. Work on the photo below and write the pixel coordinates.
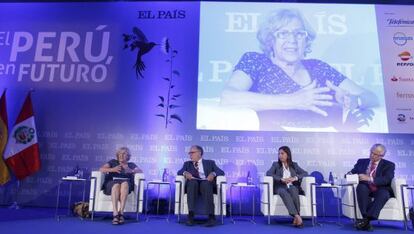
(165, 175)
(80, 173)
(249, 178)
(76, 171)
(331, 178)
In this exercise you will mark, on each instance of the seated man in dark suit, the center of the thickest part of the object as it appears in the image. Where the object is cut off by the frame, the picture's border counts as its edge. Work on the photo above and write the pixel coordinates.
(200, 177)
(374, 188)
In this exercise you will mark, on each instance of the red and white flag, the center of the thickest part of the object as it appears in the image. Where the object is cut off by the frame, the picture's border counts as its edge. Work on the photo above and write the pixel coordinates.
(22, 150)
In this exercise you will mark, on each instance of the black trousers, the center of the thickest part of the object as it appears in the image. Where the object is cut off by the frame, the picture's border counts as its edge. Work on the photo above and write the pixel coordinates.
(201, 188)
(371, 203)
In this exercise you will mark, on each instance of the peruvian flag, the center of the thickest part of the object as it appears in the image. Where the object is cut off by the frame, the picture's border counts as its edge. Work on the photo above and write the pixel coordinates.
(22, 150)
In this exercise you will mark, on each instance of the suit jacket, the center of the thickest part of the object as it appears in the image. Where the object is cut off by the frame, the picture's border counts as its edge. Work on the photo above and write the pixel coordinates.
(276, 171)
(209, 166)
(383, 175)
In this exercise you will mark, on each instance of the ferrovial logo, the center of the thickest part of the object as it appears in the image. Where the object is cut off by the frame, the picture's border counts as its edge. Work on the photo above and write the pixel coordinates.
(401, 38)
(405, 95)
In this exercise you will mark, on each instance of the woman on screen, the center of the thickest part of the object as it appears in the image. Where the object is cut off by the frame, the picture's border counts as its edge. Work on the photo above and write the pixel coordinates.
(306, 92)
(119, 181)
(287, 176)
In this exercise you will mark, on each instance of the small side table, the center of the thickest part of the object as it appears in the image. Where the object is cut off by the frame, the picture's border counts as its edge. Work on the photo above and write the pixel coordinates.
(405, 204)
(70, 180)
(323, 188)
(241, 186)
(158, 183)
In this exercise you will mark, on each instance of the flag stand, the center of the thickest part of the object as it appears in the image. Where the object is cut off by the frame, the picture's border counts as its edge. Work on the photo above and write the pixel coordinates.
(15, 205)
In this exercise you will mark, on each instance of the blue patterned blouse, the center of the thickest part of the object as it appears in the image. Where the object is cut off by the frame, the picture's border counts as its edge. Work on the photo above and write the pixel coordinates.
(269, 78)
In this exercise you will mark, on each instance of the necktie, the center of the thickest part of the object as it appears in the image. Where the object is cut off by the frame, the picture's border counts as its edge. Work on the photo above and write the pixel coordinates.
(196, 174)
(372, 186)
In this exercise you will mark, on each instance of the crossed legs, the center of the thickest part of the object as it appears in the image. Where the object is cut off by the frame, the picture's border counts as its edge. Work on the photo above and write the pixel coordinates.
(290, 197)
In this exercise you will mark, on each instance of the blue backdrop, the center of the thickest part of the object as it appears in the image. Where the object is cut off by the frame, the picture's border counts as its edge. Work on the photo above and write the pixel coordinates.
(89, 99)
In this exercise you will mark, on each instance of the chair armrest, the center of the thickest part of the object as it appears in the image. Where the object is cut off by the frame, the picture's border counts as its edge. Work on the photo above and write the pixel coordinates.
(179, 180)
(179, 187)
(139, 180)
(307, 187)
(221, 182)
(396, 184)
(97, 179)
(220, 179)
(351, 179)
(306, 184)
(267, 189)
(179, 194)
(138, 177)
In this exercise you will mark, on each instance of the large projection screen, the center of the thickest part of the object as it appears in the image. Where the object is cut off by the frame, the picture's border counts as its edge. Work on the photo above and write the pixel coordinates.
(244, 67)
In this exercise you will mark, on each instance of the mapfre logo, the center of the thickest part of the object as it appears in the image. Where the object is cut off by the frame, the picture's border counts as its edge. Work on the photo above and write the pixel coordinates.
(406, 58)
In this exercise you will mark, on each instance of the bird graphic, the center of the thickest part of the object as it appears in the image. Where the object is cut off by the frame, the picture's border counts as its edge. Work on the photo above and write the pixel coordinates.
(138, 40)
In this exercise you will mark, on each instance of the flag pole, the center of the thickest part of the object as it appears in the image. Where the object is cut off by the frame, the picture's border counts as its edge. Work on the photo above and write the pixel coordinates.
(15, 204)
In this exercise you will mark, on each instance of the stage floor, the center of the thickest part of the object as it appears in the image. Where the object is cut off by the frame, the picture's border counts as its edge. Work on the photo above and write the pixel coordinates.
(42, 220)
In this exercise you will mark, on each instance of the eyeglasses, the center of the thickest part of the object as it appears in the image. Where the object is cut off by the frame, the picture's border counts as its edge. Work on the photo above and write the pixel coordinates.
(192, 152)
(285, 34)
(375, 154)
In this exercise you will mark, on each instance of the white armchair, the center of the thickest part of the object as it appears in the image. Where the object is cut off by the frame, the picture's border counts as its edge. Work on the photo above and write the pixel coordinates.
(272, 205)
(393, 209)
(99, 202)
(181, 206)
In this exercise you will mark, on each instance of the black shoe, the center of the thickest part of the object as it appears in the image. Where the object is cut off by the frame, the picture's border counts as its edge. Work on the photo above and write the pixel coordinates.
(368, 228)
(359, 224)
(363, 224)
(211, 221)
(301, 225)
(190, 219)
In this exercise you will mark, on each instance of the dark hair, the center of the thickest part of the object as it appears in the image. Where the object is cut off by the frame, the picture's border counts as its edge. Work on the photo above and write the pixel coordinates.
(289, 156)
(199, 148)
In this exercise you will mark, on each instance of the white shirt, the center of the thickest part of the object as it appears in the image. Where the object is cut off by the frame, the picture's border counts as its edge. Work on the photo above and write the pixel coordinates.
(371, 173)
(286, 174)
(201, 169)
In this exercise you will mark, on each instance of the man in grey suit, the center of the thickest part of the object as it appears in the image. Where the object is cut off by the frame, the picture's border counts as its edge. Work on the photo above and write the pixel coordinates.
(287, 176)
(200, 177)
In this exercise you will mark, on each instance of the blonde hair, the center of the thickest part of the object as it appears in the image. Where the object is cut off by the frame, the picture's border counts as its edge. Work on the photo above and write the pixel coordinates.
(277, 19)
(121, 150)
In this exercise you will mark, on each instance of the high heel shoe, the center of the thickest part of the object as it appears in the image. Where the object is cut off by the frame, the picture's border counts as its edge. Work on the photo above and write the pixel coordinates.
(115, 220)
(300, 225)
(121, 218)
